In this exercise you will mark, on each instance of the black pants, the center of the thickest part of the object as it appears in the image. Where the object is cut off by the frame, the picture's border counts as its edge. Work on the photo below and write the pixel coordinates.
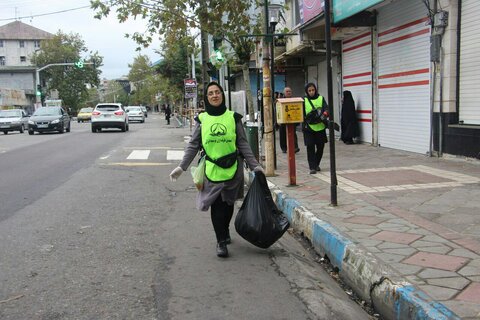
(315, 154)
(283, 137)
(221, 213)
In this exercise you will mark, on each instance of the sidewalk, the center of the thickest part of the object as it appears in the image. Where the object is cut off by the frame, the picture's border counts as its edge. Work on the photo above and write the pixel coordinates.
(406, 232)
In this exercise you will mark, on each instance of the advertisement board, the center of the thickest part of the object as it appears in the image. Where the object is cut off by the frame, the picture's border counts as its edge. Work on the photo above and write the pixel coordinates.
(190, 88)
(343, 9)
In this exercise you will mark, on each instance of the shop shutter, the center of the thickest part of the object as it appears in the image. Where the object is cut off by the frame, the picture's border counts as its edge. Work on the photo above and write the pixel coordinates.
(404, 76)
(469, 103)
(357, 78)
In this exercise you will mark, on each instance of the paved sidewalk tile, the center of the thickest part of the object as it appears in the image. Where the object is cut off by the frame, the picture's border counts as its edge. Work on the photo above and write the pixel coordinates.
(397, 237)
(438, 261)
(472, 293)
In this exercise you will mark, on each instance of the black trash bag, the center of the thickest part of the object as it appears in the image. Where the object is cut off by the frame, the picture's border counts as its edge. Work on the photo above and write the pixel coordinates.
(259, 221)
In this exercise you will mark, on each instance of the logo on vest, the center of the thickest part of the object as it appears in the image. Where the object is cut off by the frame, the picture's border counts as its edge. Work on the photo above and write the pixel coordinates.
(218, 129)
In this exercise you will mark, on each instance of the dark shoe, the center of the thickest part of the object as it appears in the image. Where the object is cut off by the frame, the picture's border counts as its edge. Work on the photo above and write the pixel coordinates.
(318, 169)
(297, 150)
(284, 151)
(313, 171)
(222, 250)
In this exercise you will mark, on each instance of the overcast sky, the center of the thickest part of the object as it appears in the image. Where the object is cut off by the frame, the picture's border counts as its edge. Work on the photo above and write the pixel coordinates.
(105, 36)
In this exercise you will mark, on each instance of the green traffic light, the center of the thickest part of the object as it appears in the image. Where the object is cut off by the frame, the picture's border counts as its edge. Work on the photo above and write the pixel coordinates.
(38, 93)
(79, 64)
(219, 55)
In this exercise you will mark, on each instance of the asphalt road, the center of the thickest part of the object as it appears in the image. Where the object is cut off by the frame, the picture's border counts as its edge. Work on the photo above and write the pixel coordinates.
(86, 233)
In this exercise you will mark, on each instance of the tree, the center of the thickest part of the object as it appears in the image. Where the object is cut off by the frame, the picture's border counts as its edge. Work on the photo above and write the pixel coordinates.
(171, 20)
(70, 81)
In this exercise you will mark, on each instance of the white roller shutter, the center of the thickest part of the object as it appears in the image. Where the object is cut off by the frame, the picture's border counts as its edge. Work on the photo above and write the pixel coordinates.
(469, 106)
(357, 78)
(404, 76)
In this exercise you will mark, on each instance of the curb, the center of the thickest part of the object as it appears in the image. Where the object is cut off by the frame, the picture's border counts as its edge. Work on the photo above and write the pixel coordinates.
(374, 281)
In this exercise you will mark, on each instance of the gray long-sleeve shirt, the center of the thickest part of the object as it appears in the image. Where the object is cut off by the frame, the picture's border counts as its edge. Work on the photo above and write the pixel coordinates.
(229, 190)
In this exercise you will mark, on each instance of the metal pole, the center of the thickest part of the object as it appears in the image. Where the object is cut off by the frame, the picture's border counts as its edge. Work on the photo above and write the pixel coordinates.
(229, 89)
(272, 67)
(331, 132)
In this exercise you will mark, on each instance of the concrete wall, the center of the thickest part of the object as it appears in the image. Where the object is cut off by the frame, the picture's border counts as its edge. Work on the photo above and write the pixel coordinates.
(12, 52)
(15, 80)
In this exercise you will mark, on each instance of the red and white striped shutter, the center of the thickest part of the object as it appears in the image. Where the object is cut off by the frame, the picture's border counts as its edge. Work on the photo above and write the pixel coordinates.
(404, 76)
(357, 78)
(469, 111)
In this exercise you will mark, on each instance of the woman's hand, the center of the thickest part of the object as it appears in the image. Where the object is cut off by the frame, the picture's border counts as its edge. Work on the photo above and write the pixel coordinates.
(177, 172)
(258, 169)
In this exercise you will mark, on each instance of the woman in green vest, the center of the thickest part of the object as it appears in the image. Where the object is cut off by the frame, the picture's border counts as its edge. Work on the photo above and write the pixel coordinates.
(314, 134)
(220, 134)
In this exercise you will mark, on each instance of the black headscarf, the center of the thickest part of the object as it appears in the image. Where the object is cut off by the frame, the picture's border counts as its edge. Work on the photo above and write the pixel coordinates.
(311, 84)
(211, 110)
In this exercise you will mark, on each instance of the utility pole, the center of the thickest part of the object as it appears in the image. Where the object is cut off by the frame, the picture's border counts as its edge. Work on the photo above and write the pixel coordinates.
(267, 99)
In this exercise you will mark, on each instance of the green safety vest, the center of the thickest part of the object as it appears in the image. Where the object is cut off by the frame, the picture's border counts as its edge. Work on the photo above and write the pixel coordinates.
(317, 103)
(219, 139)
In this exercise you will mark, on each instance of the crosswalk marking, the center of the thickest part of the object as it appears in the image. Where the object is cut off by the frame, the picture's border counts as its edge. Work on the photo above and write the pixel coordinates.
(175, 155)
(138, 155)
(138, 164)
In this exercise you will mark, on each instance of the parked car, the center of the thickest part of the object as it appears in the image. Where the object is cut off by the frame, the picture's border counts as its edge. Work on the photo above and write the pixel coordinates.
(46, 119)
(135, 114)
(145, 111)
(109, 115)
(13, 120)
(85, 114)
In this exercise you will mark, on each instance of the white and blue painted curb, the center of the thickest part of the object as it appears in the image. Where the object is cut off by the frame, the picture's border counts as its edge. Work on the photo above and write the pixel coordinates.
(374, 281)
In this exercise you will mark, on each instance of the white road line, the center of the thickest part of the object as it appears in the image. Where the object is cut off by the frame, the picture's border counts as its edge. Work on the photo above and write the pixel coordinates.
(139, 155)
(105, 157)
(174, 155)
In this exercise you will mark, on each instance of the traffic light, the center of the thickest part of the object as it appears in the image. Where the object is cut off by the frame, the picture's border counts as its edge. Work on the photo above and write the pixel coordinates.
(79, 64)
(39, 90)
(217, 52)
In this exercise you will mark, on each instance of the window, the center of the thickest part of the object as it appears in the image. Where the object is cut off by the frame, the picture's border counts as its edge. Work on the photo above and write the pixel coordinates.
(22, 44)
(23, 59)
(36, 43)
(1, 43)
(2, 60)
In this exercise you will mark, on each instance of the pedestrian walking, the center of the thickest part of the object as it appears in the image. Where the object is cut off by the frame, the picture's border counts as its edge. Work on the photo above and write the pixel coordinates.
(168, 113)
(349, 123)
(314, 135)
(287, 91)
(219, 132)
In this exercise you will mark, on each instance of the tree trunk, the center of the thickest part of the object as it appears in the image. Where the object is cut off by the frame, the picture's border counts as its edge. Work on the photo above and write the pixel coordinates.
(248, 90)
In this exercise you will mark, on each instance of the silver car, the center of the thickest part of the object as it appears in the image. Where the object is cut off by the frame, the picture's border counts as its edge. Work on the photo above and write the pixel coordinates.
(135, 114)
(109, 115)
(13, 120)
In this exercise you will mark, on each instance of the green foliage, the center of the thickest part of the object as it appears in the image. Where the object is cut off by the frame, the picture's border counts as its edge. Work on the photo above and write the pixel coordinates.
(69, 81)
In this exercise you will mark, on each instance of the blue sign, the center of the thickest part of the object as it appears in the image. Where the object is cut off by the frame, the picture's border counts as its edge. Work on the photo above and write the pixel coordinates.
(343, 9)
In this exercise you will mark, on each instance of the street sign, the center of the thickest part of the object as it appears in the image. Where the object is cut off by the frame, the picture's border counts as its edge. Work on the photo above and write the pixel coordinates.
(343, 9)
(190, 88)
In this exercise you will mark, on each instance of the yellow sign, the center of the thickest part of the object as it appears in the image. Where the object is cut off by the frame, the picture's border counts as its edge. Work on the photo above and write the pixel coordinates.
(289, 110)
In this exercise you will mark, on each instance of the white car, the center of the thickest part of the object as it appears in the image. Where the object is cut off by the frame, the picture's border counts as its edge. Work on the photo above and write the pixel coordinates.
(13, 120)
(109, 115)
(135, 114)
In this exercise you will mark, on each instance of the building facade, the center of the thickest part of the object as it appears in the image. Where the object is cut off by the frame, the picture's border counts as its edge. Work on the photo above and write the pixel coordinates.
(413, 70)
(18, 42)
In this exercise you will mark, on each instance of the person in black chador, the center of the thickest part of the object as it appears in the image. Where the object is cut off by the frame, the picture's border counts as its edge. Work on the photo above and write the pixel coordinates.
(168, 114)
(349, 122)
(314, 134)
